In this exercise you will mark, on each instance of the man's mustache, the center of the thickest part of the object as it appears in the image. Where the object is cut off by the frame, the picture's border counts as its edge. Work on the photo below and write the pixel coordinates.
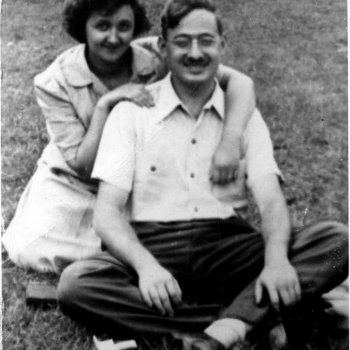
(195, 62)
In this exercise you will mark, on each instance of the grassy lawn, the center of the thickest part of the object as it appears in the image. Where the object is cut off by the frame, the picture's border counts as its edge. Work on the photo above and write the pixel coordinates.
(295, 51)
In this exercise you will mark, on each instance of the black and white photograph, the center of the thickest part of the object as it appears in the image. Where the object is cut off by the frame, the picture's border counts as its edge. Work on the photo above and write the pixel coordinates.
(174, 175)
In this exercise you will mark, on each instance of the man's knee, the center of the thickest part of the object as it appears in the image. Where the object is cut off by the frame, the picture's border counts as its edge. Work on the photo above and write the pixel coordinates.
(323, 244)
(70, 286)
(331, 234)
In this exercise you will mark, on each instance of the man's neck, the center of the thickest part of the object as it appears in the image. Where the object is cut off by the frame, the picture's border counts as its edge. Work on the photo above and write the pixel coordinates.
(194, 97)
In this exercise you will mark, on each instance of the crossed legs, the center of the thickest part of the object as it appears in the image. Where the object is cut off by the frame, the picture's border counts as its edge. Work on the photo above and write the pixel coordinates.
(215, 262)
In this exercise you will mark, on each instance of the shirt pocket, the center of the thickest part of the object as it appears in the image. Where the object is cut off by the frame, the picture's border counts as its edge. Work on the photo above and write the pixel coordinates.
(153, 171)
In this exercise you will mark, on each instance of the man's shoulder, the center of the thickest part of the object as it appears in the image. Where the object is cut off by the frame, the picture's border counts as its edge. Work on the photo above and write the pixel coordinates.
(256, 128)
(136, 114)
(255, 121)
(154, 88)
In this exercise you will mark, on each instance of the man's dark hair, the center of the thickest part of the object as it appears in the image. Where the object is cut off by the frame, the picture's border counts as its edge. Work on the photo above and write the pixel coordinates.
(175, 10)
(76, 13)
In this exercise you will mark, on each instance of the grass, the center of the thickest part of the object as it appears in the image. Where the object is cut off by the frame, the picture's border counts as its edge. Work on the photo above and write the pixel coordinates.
(295, 51)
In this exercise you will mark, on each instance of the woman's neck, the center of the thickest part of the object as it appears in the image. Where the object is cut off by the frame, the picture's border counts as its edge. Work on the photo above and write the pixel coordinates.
(107, 70)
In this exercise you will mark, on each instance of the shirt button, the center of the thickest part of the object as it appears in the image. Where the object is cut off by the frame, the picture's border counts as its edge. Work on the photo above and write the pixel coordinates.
(196, 209)
(194, 141)
(192, 175)
(153, 168)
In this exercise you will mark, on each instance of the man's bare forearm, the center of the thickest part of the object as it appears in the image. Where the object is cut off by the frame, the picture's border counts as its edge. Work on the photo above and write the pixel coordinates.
(121, 240)
(158, 288)
(276, 229)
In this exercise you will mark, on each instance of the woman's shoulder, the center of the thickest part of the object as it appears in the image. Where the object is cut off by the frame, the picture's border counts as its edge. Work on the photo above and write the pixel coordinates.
(149, 43)
(147, 60)
(70, 67)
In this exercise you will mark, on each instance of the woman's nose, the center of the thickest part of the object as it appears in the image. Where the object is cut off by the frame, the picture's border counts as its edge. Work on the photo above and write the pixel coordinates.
(113, 36)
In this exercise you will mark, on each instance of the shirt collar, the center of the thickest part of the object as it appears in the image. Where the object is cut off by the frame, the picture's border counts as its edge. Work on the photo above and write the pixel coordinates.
(168, 100)
(78, 73)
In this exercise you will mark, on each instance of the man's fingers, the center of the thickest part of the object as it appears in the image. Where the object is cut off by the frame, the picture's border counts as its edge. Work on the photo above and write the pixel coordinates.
(146, 298)
(164, 298)
(287, 297)
(156, 301)
(258, 292)
(174, 292)
(274, 298)
(297, 290)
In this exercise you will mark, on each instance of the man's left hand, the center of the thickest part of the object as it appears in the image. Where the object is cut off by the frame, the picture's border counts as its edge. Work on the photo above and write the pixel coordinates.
(281, 283)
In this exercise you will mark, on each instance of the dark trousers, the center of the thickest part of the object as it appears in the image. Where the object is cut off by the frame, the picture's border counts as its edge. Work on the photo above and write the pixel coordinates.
(216, 263)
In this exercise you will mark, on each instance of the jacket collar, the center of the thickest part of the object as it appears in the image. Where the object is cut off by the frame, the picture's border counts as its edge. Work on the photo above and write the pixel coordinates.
(78, 73)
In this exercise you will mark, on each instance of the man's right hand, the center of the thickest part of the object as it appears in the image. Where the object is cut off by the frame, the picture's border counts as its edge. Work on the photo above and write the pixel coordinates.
(159, 289)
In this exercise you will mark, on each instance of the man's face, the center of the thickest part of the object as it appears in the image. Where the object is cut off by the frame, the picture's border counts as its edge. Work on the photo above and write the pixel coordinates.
(193, 49)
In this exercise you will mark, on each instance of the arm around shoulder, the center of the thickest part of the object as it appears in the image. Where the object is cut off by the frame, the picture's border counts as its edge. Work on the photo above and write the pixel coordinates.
(239, 106)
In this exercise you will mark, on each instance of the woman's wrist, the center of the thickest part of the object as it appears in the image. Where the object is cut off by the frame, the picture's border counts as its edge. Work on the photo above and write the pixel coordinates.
(109, 100)
(104, 104)
(231, 139)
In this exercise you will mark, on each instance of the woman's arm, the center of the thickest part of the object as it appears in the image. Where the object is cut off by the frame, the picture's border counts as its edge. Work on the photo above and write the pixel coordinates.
(239, 106)
(78, 144)
(85, 157)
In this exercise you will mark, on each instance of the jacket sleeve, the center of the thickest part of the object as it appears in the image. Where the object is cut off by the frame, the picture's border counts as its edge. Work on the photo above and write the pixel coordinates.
(65, 128)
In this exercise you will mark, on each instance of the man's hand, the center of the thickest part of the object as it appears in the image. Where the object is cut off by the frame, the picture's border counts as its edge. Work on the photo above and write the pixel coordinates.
(225, 163)
(159, 289)
(281, 283)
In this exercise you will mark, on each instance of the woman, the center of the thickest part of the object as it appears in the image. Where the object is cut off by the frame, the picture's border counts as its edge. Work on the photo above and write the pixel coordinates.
(52, 226)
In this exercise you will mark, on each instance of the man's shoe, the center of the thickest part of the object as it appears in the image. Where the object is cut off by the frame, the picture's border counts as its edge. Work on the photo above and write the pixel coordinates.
(199, 341)
(109, 344)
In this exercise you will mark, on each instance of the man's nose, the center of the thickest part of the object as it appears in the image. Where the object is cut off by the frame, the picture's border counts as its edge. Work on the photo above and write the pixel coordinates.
(195, 50)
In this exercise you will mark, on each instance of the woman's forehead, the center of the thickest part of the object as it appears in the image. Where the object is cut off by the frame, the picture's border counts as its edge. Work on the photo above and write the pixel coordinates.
(124, 11)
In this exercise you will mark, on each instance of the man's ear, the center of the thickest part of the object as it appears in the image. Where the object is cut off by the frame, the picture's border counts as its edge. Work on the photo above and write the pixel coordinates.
(223, 42)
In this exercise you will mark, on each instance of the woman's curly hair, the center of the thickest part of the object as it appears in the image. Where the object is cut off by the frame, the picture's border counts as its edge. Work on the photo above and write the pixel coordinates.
(76, 13)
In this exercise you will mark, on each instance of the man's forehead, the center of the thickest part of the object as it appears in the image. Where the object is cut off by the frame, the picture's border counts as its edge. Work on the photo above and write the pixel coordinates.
(197, 22)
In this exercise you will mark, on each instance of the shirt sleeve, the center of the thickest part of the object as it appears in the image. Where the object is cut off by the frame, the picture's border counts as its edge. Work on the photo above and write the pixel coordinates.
(64, 127)
(260, 160)
(115, 161)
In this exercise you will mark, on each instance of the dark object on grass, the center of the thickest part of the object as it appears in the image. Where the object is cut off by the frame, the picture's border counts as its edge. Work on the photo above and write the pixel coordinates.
(39, 294)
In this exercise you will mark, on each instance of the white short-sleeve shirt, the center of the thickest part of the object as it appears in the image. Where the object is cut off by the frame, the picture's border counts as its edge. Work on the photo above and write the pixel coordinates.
(162, 157)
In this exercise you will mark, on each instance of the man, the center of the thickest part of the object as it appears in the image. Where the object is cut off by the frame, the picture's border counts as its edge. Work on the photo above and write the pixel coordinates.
(187, 262)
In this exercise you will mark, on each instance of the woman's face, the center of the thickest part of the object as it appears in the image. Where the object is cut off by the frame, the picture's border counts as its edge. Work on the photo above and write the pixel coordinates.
(108, 35)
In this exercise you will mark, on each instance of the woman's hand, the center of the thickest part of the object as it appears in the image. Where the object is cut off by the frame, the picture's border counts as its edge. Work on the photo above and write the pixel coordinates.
(136, 93)
(225, 163)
